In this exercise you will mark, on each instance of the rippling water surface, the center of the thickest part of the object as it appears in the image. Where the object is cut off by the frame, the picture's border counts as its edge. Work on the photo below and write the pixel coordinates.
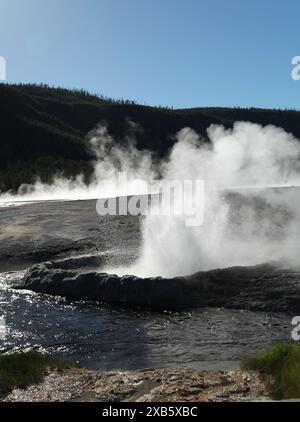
(106, 338)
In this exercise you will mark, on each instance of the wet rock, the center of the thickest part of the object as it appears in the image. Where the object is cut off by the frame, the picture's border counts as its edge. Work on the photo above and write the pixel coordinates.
(260, 288)
(36, 232)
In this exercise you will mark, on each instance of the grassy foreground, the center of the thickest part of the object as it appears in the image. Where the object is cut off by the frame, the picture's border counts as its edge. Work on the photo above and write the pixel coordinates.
(18, 370)
(280, 368)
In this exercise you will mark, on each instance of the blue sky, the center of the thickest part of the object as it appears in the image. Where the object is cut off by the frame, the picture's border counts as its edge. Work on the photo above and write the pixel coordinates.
(181, 53)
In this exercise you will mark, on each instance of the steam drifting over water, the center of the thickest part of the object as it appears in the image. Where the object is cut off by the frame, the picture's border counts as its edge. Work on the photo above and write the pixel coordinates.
(246, 221)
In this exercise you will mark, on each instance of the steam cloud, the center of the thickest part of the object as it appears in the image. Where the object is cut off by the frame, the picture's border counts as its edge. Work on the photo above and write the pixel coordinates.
(252, 204)
(111, 159)
(252, 211)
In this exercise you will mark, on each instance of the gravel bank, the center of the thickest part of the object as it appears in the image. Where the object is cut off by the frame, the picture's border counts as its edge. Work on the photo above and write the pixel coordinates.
(82, 385)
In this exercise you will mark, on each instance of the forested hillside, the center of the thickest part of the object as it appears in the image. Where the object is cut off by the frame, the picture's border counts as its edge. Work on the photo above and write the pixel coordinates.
(43, 129)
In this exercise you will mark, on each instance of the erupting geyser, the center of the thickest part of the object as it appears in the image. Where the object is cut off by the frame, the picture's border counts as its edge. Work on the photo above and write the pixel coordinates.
(247, 221)
(242, 225)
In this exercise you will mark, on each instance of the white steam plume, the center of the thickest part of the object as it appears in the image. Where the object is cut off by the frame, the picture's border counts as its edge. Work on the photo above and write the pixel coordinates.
(111, 159)
(244, 223)
(242, 226)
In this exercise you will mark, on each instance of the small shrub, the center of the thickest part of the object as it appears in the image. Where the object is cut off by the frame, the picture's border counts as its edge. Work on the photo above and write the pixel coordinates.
(280, 367)
(18, 370)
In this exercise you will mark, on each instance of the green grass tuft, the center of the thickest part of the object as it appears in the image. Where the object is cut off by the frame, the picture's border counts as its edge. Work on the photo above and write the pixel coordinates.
(19, 370)
(280, 367)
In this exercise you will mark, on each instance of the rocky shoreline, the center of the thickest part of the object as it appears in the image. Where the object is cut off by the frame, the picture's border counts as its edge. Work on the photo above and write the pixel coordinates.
(149, 385)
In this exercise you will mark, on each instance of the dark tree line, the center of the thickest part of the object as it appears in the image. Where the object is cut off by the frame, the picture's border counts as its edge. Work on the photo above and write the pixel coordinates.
(43, 129)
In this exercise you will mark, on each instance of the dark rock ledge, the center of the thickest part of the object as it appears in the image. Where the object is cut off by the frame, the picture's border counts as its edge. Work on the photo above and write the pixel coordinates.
(260, 288)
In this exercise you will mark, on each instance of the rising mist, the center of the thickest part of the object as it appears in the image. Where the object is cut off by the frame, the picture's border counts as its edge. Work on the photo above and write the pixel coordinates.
(252, 210)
